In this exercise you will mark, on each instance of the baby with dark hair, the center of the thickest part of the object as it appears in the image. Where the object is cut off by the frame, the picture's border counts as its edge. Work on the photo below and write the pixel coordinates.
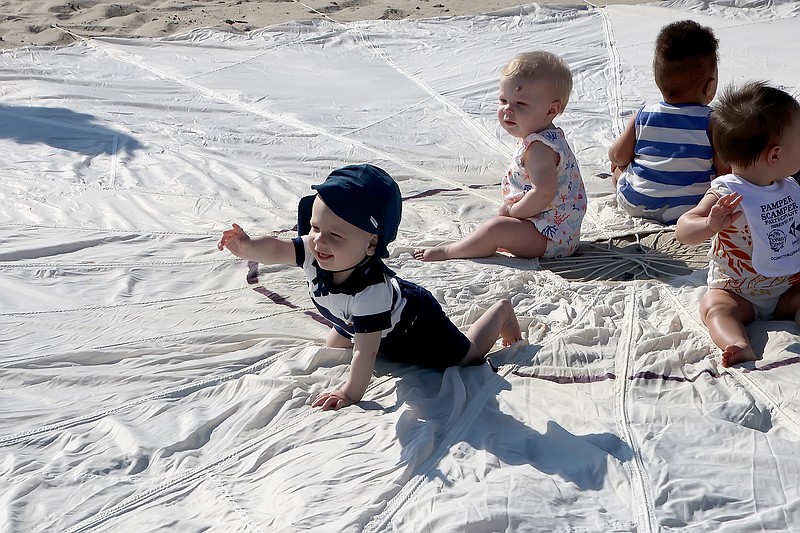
(345, 230)
(663, 162)
(752, 217)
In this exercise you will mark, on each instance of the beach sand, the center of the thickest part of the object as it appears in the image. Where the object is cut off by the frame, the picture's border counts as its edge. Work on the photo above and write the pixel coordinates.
(31, 22)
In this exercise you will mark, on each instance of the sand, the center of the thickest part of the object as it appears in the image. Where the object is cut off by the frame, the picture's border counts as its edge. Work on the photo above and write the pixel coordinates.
(31, 22)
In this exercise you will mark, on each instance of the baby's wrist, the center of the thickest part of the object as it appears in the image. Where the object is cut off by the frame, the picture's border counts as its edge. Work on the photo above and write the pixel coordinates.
(346, 396)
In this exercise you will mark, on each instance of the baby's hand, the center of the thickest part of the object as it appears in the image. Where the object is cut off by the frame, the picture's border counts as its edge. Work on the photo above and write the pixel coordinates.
(508, 202)
(335, 399)
(235, 240)
(723, 213)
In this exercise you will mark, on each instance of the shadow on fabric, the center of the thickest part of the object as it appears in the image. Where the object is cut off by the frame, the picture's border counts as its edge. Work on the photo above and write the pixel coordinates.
(63, 129)
(429, 430)
(636, 257)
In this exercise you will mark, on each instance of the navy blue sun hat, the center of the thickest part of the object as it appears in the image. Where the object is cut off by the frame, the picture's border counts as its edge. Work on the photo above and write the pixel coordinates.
(363, 195)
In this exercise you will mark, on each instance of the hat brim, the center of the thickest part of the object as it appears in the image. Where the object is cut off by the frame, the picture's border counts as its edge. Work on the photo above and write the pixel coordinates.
(304, 208)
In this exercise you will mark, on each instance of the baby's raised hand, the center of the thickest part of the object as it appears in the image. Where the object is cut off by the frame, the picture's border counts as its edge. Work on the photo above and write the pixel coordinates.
(723, 213)
(234, 239)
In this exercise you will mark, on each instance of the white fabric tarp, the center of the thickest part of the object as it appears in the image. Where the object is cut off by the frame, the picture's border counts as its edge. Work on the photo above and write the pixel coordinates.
(149, 382)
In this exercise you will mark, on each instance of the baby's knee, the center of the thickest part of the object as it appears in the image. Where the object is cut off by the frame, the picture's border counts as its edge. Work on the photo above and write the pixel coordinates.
(491, 227)
(505, 306)
(718, 303)
(705, 305)
(712, 306)
(334, 339)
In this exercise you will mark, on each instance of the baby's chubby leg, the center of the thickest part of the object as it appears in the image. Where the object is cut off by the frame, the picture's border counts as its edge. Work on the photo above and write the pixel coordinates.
(725, 314)
(483, 242)
(519, 237)
(789, 305)
(334, 339)
(498, 321)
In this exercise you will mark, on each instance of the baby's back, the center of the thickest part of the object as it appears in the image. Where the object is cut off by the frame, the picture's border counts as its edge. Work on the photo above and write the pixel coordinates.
(674, 160)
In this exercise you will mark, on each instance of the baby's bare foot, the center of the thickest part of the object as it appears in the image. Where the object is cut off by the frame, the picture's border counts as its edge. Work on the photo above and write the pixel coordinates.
(511, 333)
(505, 342)
(437, 253)
(737, 354)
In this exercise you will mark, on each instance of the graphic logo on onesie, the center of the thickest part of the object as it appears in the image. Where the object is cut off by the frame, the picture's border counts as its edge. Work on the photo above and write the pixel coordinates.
(777, 215)
(777, 240)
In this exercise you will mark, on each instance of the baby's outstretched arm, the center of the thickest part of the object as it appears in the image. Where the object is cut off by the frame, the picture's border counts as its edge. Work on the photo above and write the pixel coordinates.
(265, 250)
(711, 216)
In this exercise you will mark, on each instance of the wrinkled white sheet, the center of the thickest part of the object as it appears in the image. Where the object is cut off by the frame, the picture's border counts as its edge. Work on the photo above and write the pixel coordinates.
(151, 383)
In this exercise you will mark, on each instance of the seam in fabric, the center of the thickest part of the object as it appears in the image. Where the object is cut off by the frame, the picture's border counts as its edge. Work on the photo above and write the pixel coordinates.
(640, 486)
(219, 485)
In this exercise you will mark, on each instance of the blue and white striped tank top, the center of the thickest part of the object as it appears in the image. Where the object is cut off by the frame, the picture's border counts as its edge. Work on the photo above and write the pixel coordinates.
(674, 162)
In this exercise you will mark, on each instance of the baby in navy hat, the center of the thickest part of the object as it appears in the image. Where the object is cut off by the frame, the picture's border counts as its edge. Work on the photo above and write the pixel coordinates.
(344, 233)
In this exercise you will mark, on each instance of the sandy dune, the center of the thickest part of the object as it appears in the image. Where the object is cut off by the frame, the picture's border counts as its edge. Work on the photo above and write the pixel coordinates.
(31, 22)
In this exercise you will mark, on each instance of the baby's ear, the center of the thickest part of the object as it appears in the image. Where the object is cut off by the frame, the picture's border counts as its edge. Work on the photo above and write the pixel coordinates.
(373, 244)
(556, 108)
(710, 89)
(773, 153)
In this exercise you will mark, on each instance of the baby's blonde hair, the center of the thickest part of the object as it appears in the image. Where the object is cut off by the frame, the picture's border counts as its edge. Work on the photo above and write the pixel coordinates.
(543, 66)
